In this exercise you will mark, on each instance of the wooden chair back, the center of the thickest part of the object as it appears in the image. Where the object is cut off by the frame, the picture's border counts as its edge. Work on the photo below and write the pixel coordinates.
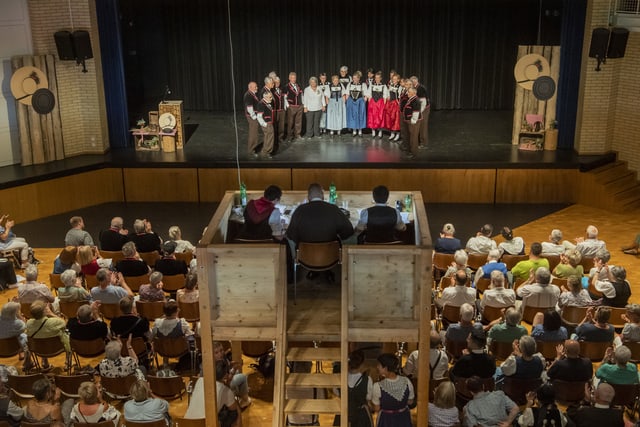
(250, 241)
(256, 349)
(530, 311)
(70, 309)
(9, 347)
(517, 388)
(190, 311)
(554, 260)
(593, 291)
(559, 282)
(171, 346)
(512, 260)
(616, 317)
(107, 423)
(55, 282)
(46, 347)
(173, 283)
(90, 281)
(138, 344)
(518, 283)
(454, 349)
(134, 282)
(594, 350)
(501, 349)
(69, 384)
(548, 348)
(440, 264)
(573, 315)
(5, 424)
(109, 311)
(167, 387)
(115, 256)
(568, 392)
(87, 348)
(450, 314)
(587, 264)
(26, 424)
(159, 423)
(118, 386)
(461, 386)
(25, 309)
(626, 395)
(319, 256)
(150, 310)
(186, 422)
(184, 256)
(482, 284)
(489, 314)
(635, 350)
(22, 385)
(476, 261)
(150, 258)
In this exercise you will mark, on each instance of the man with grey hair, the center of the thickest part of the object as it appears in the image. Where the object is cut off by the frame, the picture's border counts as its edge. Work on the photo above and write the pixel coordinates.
(497, 295)
(293, 106)
(616, 368)
(111, 287)
(145, 238)
(492, 265)
(72, 290)
(615, 290)
(460, 331)
(268, 85)
(278, 110)
(116, 236)
(87, 326)
(460, 258)
(32, 290)
(482, 243)
(459, 293)
(597, 411)
(77, 236)
(132, 264)
(250, 101)
(264, 110)
(541, 293)
(590, 245)
(509, 329)
(555, 245)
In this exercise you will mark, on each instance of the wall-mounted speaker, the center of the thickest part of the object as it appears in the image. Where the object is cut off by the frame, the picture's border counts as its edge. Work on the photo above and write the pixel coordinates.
(82, 45)
(617, 42)
(599, 43)
(64, 44)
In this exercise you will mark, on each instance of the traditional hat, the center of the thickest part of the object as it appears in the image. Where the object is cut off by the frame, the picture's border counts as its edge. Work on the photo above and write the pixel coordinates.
(167, 120)
(544, 88)
(43, 101)
(26, 81)
(529, 68)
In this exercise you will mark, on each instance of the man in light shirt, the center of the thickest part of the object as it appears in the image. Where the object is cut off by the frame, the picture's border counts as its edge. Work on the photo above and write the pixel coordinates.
(482, 242)
(591, 245)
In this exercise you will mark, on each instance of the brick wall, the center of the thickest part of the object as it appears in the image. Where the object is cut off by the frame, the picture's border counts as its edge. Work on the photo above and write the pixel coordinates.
(80, 95)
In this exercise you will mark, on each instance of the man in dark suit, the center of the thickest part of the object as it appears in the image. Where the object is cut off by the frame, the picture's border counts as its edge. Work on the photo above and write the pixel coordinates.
(597, 409)
(144, 238)
(568, 365)
(116, 236)
(168, 264)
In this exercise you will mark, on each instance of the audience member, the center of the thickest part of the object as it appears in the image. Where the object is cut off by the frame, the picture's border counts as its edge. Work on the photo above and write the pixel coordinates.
(45, 407)
(111, 287)
(509, 329)
(379, 223)
(460, 258)
(12, 325)
(225, 397)
(10, 413)
(443, 411)
(597, 411)
(144, 237)
(615, 291)
(524, 362)
(262, 217)
(460, 331)
(175, 235)
(77, 236)
(569, 265)
(458, 294)
(511, 245)
(113, 238)
(475, 360)
(523, 269)
(482, 242)
(576, 295)
(45, 324)
(131, 324)
(66, 260)
(153, 290)
(569, 365)
(238, 382)
(492, 265)
(446, 243)
(114, 365)
(555, 245)
(73, 290)
(10, 242)
(541, 293)
(87, 325)
(601, 265)
(631, 329)
(632, 249)
(143, 407)
(547, 412)
(190, 292)
(32, 290)
(360, 392)
(616, 368)
(487, 408)
(497, 295)
(547, 326)
(393, 394)
(88, 260)
(595, 327)
(438, 360)
(168, 264)
(91, 408)
(132, 264)
(172, 326)
(589, 246)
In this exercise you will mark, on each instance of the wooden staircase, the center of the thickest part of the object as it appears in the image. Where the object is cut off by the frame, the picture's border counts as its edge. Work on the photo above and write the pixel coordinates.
(612, 186)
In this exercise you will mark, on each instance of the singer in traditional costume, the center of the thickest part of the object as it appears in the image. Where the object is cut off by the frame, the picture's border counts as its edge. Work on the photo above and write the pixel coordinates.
(377, 95)
(356, 107)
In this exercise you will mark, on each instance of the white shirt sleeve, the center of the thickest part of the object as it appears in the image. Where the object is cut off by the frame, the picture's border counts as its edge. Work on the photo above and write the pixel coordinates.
(376, 393)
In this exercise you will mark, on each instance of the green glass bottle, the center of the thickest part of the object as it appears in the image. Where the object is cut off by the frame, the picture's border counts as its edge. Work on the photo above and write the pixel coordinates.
(407, 203)
(333, 194)
(243, 195)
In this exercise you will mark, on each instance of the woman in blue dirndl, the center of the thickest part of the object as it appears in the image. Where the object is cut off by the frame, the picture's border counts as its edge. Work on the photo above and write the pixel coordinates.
(393, 394)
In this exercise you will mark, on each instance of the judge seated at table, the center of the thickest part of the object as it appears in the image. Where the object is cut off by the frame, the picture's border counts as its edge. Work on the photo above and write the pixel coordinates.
(262, 218)
(379, 223)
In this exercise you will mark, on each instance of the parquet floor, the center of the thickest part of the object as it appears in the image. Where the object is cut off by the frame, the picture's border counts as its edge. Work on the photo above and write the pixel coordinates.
(616, 228)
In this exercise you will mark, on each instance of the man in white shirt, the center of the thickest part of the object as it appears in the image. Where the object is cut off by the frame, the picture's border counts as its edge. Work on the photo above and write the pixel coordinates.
(497, 295)
(438, 360)
(482, 243)
(458, 294)
(555, 245)
(591, 245)
(541, 293)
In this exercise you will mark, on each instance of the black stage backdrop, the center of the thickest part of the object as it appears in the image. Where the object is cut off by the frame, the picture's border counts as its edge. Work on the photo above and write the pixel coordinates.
(462, 50)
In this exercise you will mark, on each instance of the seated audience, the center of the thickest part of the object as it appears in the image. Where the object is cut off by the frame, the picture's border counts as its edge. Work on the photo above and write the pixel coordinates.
(446, 243)
(597, 411)
(460, 259)
(153, 290)
(482, 242)
(12, 325)
(393, 394)
(492, 265)
(555, 245)
(459, 293)
(113, 238)
(262, 217)
(523, 269)
(143, 407)
(175, 235)
(32, 290)
(438, 359)
(601, 265)
(87, 325)
(615, 291)
(111, 287)
(45, 324)
(569, 365)
(91, 408)
(190, 292)
(460, 331)
(511, 245)
(9, 241)
(225, 397)
(541, 293)
(569, 265)
(171, 325)
(631, 329)
(132, 265)
(524, 362)
(66, 260)
(595, 327)
(168, 264)
(131, 324)
(547, 412)
(379, 223)
(443, 411)
(73, 290)
(77, 236)
(144, 238)
(488, 408)
(509, 329)
(589, 246)
(497, 295)
(238, 383)
(45, 406)
(547, 326)
(114, 365)
(475, 360)
(616, 368)
(88, 260)
(576, 295)
(10, 413)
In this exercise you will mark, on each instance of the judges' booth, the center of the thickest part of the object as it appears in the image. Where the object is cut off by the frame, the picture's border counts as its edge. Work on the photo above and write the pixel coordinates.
(383, 296)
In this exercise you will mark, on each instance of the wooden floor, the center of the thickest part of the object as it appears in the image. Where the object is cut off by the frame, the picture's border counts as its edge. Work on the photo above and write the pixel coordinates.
(616, 228)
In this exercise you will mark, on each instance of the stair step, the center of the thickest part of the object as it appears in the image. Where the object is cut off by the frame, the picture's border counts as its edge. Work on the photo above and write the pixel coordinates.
(627, 179)
(313, 380)
(308, 354)
(623, 187)
(635, 190)
(617, 171)
(629, 198)
(312, 406)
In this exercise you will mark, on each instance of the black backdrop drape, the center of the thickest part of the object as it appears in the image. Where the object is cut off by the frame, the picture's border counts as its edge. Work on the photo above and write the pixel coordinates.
(462, 50)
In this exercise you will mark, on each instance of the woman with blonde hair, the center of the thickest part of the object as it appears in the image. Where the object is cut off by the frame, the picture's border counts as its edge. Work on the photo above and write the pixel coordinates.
(569, 265)
(12, 324)
(88, 260)
(91, 408)
(443, 411)
(144, 407)
(175, 234)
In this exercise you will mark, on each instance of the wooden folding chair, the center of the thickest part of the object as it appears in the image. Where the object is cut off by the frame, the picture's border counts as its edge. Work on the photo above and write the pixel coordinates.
(173, 283)
(46, 347)
(476, 261)
(554, 260)
(548, 348)
(315, 257)
(90, 281)
(501, 349)
(172, 347)
(450, 314)
(150, 310)
(69, 384)
(70, 309)
(87, 349)
(138, 343)
(512, 260)
(587, 264)
(454, 349)
(184, 256)
(568, 392)
(10, 347)
(256, 349)
(26, 424)
(22, 385)
(25, 309)
(483, 284)
(517, 388)
(627, 396)
(634, 346)
(109, 311)
(489, 314)
(616, 317)
(530, 311)
(190, 311)
(134, 282)
(167, 387)
(559, 282)
(159, 423)
(115, 256)
(107, 423)
(573, 315)
(187, 422)
(594, 350)
(56, 283)
(117, 388)
(441, 263)
(150, 258)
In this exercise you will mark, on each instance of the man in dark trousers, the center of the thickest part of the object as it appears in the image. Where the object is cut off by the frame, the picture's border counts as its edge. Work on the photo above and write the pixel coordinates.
(293, 104)
(425, 109)
(413, 118)
(250, 102)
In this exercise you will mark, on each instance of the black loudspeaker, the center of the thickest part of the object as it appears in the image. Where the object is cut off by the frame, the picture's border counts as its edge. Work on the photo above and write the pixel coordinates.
(617, 42)
(64, 44)
(599, 43)
(82, 45)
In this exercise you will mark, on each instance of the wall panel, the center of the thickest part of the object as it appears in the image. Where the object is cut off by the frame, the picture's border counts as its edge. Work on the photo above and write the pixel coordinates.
(537, 185)
(214, 182)
(161, 185)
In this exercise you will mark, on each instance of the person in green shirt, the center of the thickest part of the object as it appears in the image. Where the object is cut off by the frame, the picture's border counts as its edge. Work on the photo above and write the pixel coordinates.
(522, 269)
(507, 329)
(616, 368)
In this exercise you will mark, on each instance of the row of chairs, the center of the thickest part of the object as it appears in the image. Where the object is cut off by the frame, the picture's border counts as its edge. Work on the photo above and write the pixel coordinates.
(149, 258)
(171, 283)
